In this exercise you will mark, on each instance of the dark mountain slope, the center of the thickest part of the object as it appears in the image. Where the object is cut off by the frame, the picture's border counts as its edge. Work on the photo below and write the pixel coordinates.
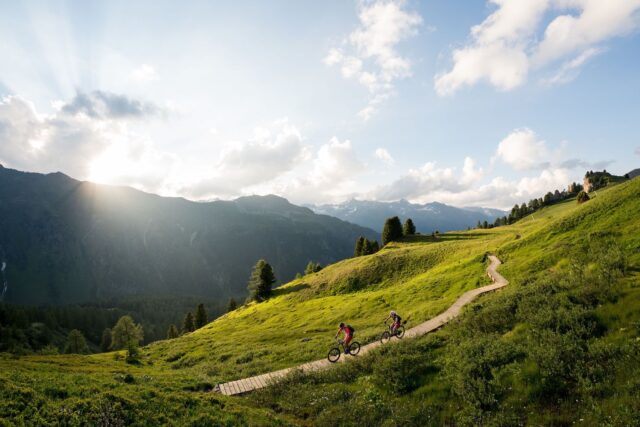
(66, 241)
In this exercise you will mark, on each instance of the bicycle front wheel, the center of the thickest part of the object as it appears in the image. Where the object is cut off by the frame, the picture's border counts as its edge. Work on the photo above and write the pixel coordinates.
(334, 355)
(400, 331)
(354, 348)
(386, 336)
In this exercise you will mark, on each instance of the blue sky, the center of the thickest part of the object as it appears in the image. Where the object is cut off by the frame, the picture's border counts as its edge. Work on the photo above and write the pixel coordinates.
(464, 102)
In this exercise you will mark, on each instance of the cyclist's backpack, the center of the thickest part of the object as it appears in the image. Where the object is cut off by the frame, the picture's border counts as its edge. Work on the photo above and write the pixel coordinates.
(351, 330)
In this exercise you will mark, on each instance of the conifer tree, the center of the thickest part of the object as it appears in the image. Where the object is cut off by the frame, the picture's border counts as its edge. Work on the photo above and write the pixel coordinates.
(392, 230)
(172, 332)
(105, 342)
(375, 247)
(261, 281)
(366, 248)
(409, 229)
(188, 324)
(125, 333)
(201, 316)
(359, 245)
(231, 305)
(76, 343)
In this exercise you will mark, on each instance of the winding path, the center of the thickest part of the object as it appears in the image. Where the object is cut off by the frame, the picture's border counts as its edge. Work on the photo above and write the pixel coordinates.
(252, 383)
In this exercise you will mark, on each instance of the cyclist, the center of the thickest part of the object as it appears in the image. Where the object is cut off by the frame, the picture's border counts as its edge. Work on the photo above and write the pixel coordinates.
(348, 335)
(396, 321)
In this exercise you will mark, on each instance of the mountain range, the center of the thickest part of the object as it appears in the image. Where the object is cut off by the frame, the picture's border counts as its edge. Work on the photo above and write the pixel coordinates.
(68, 241)
(427, 218)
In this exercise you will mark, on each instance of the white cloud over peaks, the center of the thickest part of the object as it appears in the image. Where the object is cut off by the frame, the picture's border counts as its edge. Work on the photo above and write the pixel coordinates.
(370, 54)
(505, 46)
(570, 69)
(383, 154)
(85, 139)
(429, 179)
(273, 151)
(522, 150)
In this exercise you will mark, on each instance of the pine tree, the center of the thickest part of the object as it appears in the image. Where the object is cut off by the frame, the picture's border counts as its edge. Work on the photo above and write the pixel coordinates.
(312, 267)
(201, 316)
(375, 247)
(366, 248)
(479, 224)
(409, 229)
(261, 281)
(76, 343)
(485, 224)
(125, 332)
(172, 332)
(359, 245)
(105, 342)
(232, 305)
(188, 325)
(392, 230)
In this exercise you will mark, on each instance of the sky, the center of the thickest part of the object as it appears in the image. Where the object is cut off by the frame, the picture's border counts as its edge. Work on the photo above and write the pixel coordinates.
(465, 102)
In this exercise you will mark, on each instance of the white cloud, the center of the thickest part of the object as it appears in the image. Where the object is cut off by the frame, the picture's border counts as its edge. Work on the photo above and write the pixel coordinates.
(498, 52)
(429, 179)
(522, 150)
(273, 151)
(144, 73)
(505, 46)
(383, 154)
(597, 21)
(570, 69)
(373, 59)
(84, 139)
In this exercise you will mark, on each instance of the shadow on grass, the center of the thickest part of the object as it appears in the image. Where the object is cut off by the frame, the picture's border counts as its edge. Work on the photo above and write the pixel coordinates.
(427, 238)
(290, 289)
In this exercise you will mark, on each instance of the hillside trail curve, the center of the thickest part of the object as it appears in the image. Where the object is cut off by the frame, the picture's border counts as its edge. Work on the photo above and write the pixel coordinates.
(246, 385)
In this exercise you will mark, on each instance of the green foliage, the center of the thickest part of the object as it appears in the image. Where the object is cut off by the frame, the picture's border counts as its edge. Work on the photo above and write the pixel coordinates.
(188, 325)
(172, 332)
(126, 331)
(76, 343)
(582, 197)
(408, 229)
(359, 246)
(261, 281)
(201, 316)
(105, 341)
(312, 267)
(392, 230)
(232, 305)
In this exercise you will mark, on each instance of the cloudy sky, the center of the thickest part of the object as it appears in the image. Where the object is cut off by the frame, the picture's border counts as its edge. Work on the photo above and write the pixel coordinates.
(477, 102)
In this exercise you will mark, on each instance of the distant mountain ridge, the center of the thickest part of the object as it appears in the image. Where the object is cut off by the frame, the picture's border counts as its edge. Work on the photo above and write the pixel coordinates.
(427, 217)
(67, 241)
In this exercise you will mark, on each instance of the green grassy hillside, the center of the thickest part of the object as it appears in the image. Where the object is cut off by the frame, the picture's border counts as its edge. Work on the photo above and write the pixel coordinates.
(566, 328)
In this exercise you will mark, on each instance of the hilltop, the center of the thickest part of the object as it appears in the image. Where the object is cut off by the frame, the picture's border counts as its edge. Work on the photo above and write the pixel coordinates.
(558, 345)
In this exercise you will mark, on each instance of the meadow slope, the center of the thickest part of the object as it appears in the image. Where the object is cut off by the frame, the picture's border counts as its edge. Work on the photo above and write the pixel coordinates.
(563, 248)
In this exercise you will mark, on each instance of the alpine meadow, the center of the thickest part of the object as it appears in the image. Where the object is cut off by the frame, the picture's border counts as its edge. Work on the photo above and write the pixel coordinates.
(362, 213)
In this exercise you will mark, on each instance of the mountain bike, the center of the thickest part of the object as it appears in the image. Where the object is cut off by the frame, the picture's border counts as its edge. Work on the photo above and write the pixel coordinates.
(335, 352)
(388, 334)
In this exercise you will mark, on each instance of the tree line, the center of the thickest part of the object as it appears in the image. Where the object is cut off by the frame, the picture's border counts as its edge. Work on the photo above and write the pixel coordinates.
(525, 209)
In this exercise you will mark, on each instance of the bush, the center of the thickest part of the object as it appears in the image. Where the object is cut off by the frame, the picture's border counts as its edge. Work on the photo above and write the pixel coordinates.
(582, 197)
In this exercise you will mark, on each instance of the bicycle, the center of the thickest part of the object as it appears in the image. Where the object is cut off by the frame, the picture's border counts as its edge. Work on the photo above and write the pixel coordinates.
(335, 352)
(387, 335)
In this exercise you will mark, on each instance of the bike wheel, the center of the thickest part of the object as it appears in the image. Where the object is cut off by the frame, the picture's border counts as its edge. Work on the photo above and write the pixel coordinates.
(354, 348)
(400, 331)
(386, 336)
(334, 355)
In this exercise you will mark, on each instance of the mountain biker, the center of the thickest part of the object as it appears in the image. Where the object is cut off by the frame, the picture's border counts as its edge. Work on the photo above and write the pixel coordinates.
(348, 335)
(396, 321)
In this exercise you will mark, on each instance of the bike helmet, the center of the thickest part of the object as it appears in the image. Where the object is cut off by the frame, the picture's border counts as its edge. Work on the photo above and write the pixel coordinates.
(341, 325)
(393, 313)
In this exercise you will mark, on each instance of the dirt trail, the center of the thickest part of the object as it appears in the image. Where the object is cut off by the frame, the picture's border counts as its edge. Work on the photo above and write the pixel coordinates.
(259, 381)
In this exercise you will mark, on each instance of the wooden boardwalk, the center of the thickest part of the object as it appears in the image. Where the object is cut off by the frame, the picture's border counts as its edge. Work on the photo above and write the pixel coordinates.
(253, 383)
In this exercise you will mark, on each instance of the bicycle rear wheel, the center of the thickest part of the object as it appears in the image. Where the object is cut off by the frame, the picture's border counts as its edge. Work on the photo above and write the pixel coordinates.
(386, 336)
(400, 331)
(334, 355)
(354, 348)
